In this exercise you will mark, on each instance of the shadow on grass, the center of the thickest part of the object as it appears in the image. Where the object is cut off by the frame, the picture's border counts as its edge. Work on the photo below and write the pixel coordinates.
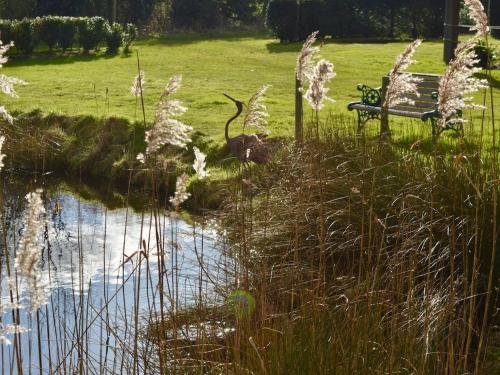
(495, 83)
(445, 145)
(46, 58)
(277, 47)
(179, 39)
(43, 56)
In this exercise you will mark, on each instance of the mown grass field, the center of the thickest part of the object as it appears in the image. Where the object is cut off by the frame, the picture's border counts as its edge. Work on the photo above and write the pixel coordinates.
(211, 65)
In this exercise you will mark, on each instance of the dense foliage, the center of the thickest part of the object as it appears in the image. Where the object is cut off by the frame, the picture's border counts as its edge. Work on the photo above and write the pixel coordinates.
(290, 20)
(287, 19)
(63, 32)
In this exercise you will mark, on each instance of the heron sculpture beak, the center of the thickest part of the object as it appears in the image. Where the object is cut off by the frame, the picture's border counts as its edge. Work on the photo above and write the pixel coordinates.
(238, 102)
(230, 98)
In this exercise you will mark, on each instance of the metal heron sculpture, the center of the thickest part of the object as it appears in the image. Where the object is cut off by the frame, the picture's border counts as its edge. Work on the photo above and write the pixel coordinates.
(246, 147)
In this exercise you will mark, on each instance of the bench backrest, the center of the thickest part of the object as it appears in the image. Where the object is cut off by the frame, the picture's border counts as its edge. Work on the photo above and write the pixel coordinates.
(426, 88)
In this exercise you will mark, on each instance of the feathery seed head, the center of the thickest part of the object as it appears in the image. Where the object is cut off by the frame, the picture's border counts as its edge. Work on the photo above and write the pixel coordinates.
(478, 16)
(317, 92)
(141, 158)
(2, 156)
(181, 193)
(173, 85)
(457, 82)
(200, 164)
(257, 111)
(6, 115)
(28, 255)
(4, 48)
(138, 84)
(305, 59)
(167, 129)
(10, 329)
(400, 82)
(7, 85)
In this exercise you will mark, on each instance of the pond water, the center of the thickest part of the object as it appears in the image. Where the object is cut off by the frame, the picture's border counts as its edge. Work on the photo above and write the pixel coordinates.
(100, 269)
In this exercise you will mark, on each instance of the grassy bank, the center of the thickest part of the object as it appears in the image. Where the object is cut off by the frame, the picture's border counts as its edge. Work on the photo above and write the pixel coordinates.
(98, 85)
(102, 152)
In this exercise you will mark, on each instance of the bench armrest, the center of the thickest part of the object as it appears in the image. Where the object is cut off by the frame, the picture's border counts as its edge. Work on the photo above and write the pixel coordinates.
(370, 96)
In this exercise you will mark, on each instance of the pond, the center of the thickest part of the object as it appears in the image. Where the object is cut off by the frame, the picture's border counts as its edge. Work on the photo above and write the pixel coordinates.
(100, 269)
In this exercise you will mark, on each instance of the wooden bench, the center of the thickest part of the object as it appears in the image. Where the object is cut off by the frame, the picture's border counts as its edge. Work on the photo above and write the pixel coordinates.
(424, 108)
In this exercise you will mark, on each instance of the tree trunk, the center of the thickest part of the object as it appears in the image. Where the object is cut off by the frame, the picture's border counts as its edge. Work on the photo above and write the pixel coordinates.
(113, 13)
(414, 28)
(451, 30)
(392, 22)
(299, 126)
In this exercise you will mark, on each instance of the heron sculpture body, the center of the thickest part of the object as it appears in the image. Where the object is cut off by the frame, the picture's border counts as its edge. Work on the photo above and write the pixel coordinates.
(246, 147)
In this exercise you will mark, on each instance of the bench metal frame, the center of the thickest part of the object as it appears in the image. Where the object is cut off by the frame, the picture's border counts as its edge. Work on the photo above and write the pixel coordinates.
(370, 108)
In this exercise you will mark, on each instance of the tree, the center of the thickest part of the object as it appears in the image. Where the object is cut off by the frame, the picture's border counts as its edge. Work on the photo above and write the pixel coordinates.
(60, 7)
(17, 9)
(495, 16)
(196, 14)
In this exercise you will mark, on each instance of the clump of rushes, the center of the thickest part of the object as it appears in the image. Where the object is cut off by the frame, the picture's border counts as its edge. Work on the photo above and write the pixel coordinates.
(28, 255)
(305, 64)
(257, 111)
(316, 95)
(400, 85)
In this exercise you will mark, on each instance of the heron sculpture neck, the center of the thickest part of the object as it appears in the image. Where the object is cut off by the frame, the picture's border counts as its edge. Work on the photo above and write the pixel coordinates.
(239, 106)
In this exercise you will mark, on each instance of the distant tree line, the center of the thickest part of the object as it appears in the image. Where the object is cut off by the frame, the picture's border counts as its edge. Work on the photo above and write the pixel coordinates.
(179, 14)
(287, 19)
(292, 20)
(135, 11)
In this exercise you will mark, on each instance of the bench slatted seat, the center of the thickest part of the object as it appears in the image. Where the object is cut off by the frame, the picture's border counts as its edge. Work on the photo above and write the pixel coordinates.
(424, 107)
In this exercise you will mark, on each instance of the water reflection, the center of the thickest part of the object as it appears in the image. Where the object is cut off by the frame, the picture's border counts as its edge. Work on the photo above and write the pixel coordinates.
(90, 261)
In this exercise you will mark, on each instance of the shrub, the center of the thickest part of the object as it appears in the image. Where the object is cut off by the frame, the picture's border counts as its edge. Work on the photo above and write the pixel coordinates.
(282, 19)
(130, 34)
(23, 35)
(485, 54)
(114, 37)
(48, 30)
(91, 32)
(195, 14)
(67, 32)
(100, 26)
(346, 22)
(6, 35)
(310, 17)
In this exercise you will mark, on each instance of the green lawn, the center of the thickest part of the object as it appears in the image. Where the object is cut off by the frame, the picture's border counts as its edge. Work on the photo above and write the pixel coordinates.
(211, 65)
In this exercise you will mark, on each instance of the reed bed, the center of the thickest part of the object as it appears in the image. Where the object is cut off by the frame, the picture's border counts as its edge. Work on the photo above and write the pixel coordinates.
(343, 255)
(346, 254)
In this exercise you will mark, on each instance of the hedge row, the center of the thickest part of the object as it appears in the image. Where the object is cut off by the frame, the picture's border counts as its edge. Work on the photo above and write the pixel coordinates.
(66, 32)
